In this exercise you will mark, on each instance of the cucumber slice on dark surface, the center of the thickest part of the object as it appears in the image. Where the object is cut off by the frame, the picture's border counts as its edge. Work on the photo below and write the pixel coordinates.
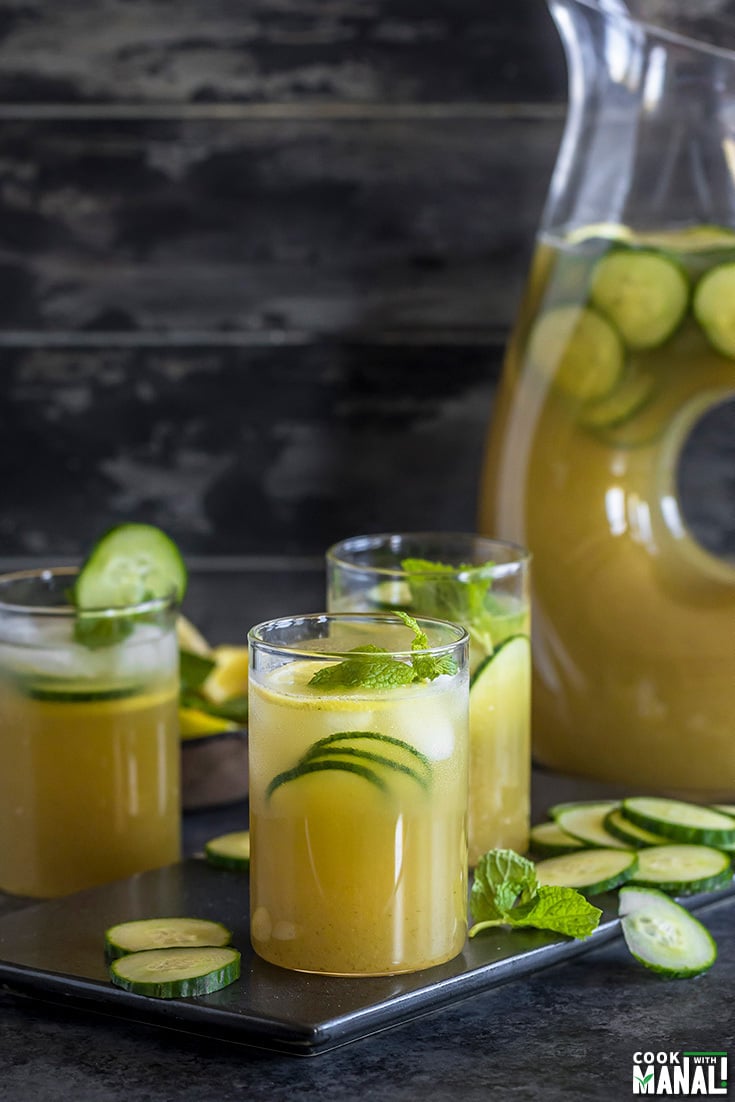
(549, 840)
(130, 564)
(164, 933)
(680, 821)
(714, 307)
(586, 821)
(617, 825)
(643, 292)
(664, 936)
(683, 869)
(590, 871)
(179, 973)
(577, 351)
(229, 851)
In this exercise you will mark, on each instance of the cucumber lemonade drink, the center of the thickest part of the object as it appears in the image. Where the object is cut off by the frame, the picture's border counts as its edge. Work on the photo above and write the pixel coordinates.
(624, 341)
(483, 585)
(89, 745)
(358, 794)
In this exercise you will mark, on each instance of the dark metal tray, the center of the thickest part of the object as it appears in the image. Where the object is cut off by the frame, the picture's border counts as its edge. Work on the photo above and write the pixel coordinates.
(54, 951)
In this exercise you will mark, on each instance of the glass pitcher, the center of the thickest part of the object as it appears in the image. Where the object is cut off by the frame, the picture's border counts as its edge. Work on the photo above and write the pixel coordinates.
(623, 358)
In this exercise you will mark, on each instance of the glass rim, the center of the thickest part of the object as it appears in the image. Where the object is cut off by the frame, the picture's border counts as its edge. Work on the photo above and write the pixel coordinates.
(462, 636)
(369, 542)
(66, 611)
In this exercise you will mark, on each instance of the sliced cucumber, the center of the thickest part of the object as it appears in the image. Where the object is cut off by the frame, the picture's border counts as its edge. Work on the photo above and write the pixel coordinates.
(680, 821)
(391, 594)
(578, 351)
(549, 840)
(643, 292)
(358, 755)
(176, 973)
(326, 765)
(683, 869)
(229, 851)
(616, 823)
(620, 406)
(726, 809)
(714, 307)
(395, 751)
(130, 564)
(590, 871)
(59, 691)
(163, 933)
(662, 935)
(586, 821)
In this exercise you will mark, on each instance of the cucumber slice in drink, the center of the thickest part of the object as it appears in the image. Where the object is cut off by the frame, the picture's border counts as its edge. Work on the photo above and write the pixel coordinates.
(394, 750)
(163, 933)
(367, 757)
(130, 564)
(326, 766)
(620, 827)
(714, 307)
(644, 294)
(591, 871)
(621, 406)
(662, 935)
(229, 851)
(176, 973)
(578, 351)
(59, 691)
(549, 840)
(683, 870)
(680, 821)
(586, 821)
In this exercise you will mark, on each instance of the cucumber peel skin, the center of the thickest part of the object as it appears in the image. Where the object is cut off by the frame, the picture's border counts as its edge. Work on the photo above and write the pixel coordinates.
(616, 823)
(229, 851)
(662, 935)
(177, 973)
(591, 871)
(129, 565)
(586, 821)
(549, 840)
(680, 821)
(683, 869)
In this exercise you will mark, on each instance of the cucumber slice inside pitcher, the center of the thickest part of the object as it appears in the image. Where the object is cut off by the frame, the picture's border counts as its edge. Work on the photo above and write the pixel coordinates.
(714, 307)
(130, 564)
(578, 351)
(643, 293)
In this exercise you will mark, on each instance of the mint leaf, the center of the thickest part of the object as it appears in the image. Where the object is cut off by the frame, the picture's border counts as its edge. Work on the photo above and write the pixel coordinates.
(502, 879)
(563, 910)
(369, 671)
(426, 666)
(457, 593)
(506, 892)
(102, 631)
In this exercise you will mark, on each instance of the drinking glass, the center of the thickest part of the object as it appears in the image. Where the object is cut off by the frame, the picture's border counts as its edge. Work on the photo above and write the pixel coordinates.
(358, 795)
(89, 746)
(484, 585)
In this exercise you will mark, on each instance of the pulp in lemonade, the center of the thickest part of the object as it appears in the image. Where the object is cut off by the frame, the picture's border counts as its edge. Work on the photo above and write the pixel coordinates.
(609, 368)
(350, 875)
(89, 763)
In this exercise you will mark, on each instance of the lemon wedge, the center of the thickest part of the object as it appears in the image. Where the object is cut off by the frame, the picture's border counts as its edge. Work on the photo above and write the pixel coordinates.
(229, 678)
(191, 639)
(196, 724)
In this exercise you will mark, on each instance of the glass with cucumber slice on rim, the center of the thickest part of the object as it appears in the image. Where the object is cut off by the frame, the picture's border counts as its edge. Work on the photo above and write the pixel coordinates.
(482, 584)
(358, 740)
(89, 760)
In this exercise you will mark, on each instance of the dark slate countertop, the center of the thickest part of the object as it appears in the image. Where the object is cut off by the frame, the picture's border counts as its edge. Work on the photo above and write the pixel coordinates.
(567, 1032)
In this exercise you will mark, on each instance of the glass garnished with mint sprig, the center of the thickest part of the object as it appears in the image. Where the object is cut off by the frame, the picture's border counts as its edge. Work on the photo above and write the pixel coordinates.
(89, 747)
(482, 584)
(358, 746)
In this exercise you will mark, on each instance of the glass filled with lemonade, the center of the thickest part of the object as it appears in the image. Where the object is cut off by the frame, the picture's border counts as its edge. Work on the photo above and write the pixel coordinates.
(482, 584)
(89, 749)
(358, 793)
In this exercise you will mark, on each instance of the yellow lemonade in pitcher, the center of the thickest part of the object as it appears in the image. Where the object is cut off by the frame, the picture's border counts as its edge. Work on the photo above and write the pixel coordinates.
(623, 342)
(358, 805)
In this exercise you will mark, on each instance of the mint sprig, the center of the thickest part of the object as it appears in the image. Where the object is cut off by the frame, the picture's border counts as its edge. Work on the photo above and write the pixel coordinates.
(457, 593)
(506, 892)
(372, 667)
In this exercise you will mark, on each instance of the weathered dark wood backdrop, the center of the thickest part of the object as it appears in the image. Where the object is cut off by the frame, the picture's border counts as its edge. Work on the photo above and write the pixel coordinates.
(258, 259)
